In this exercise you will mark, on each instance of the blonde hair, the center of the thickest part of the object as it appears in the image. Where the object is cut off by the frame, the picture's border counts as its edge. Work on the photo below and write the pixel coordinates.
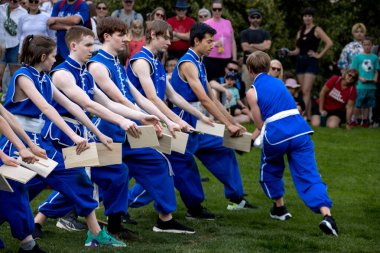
(281, 76)
(258, 62)
(359, 26)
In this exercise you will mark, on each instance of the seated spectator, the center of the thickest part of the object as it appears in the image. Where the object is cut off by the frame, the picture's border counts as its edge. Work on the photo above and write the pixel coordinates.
(336, 101)
(235, 106)
(276, 69)
(169, 67)
(203, 15)
(294, 88)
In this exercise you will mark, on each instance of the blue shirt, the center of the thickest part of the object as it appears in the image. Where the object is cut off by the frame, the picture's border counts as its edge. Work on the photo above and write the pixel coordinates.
(69, 10)
(158, 73)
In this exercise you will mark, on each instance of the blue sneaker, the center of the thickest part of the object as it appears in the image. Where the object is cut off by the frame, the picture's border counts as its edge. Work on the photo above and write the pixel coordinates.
(102, 239)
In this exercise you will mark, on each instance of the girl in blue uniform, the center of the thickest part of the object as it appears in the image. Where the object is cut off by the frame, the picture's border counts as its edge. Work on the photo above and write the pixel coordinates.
(280, 130)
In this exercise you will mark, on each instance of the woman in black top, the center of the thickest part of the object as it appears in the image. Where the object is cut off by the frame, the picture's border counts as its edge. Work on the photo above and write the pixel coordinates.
(307, 43)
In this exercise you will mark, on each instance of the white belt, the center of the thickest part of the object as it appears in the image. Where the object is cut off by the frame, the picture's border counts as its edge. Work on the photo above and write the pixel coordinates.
(259, 141)
(29, 124)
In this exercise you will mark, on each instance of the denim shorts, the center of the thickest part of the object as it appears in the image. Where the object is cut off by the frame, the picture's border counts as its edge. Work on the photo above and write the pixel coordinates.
(306, 64)
(10, 56)
(365, 98)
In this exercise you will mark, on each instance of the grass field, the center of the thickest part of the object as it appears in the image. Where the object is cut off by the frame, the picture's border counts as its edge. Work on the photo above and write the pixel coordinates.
(349, 162)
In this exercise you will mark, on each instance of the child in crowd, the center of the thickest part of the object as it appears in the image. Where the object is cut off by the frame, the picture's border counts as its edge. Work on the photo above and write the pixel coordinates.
(294, 88)
(367, 64)
(136, 39)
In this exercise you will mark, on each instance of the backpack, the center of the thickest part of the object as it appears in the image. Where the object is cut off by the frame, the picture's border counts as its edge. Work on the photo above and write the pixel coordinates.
(78, 2)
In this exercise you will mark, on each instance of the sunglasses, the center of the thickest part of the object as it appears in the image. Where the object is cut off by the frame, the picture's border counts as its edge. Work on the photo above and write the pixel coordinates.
(352, 75)
(101, 8)
(233, 70)
(217, 9)
(202, 16)
(32, 2)
(255, 17)
(181, 9)
(159, 15)
(276, 69)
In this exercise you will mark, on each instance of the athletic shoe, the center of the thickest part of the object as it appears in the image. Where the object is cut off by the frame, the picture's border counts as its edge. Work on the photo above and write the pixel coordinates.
(102, 239)
(328, 226)
(365, 124)
(71, 223)
(36, 249)
(238, 204)
(127, 219)
(200, 213)
(37, 233)
(279, 213)
(356, 123)
(172, 226)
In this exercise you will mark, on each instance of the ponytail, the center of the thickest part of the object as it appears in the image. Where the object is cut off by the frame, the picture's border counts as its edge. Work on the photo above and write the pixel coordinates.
(34, 47)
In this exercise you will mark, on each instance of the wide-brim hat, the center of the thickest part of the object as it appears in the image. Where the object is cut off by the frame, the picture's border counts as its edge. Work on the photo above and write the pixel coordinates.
(291, 83)
(182, 4)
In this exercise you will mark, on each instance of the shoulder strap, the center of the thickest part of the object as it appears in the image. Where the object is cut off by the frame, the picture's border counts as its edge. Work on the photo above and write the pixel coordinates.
(60, 6)
(8, 11)
(77, 4)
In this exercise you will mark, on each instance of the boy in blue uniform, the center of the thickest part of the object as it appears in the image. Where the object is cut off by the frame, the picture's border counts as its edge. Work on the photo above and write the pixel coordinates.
(72, 78)
(29, 98)
(280, 130)
(149, 167)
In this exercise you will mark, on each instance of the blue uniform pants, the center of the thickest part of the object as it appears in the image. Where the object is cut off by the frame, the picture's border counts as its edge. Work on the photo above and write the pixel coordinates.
(303, 168)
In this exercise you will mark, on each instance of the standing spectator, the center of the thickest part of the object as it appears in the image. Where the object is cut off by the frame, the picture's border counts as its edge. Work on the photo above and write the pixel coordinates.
(353, 48)
(336, 101)
(203, 15)
(368, 66)
(101, 12)
(376, 110)
(157, 14)
(307, 43)
(127, 14)
(136, 39)
(225, 44)
(252, 39)
(276, 69)
(65, 14)
(34, 22)
(10, 14)
(181, 30)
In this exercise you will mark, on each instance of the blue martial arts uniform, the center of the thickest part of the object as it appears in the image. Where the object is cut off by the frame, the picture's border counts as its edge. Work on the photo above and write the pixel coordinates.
(113, 182)
(287, 135)
(149, 167)
(74, 184)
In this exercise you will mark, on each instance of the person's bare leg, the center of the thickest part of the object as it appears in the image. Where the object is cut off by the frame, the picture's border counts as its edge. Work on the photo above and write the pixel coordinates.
(333, 122)
(307, 87)
(165, 217)
(279, 202)
(93, 224)
(2, 69)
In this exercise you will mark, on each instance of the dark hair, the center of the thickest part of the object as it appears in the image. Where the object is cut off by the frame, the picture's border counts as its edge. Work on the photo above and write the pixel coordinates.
(101, 2)
(159, 27)
(199, 31)
(233, 62)
(76, 33)
(110, 25)
(308, 11)
(34, 47)
(367, 38)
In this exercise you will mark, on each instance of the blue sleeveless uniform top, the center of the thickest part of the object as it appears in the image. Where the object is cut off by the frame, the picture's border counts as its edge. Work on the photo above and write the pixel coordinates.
(85, 81)
(117, 74)
(158, 73)
(182, 87)
(273, 97)
(26, 107)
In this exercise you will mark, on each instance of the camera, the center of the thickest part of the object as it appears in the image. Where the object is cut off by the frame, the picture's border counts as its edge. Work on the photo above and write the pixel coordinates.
(282, 52)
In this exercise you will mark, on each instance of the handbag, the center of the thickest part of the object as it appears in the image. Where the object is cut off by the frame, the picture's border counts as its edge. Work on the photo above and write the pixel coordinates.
(9, 24)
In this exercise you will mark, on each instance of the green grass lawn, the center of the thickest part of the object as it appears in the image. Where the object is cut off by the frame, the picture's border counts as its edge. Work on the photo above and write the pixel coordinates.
(349, 162)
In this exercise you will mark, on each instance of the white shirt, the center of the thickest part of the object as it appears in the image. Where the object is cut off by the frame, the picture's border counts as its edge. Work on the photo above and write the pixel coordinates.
(47, 7)
(16, 14)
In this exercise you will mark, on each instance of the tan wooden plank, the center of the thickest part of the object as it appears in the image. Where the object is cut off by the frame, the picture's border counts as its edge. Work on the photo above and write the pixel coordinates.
(216, 130)
(87, 158)
(4, 185)
(43, 167)
(18, 173)
(148, 138)
(109, 157)
(165, 144)
(179, 142)
(242, 143)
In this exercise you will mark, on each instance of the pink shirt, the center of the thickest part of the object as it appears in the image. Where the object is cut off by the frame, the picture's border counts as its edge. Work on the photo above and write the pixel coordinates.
(224, 32)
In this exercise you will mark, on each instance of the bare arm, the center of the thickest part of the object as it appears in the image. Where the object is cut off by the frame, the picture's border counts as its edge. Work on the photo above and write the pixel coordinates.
(263, 46)
(182, 36)
(326, 39)
(322, 96)
(61, 23)
(349, 112)
(255, 109)
(295, 51)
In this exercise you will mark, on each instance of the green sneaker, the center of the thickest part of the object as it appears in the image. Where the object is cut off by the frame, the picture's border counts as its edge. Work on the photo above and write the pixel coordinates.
(102, 239)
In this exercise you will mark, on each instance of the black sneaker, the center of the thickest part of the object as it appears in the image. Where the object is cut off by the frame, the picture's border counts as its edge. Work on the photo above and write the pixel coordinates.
(172, 226)
(328, 226)
(200, 213)
(241, 203)
(128, 220)
(36, 249)
(71, 223)
(279, 213)
(37, 233)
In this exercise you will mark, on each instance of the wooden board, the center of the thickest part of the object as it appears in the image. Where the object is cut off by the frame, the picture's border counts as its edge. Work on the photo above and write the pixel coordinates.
(165, 144)
(216, 130)
(242, 143)
(4, 185)
(87, 158)
(148, 138)
(179, 143)
(43, 167)
(109, 157)
(18, 173)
